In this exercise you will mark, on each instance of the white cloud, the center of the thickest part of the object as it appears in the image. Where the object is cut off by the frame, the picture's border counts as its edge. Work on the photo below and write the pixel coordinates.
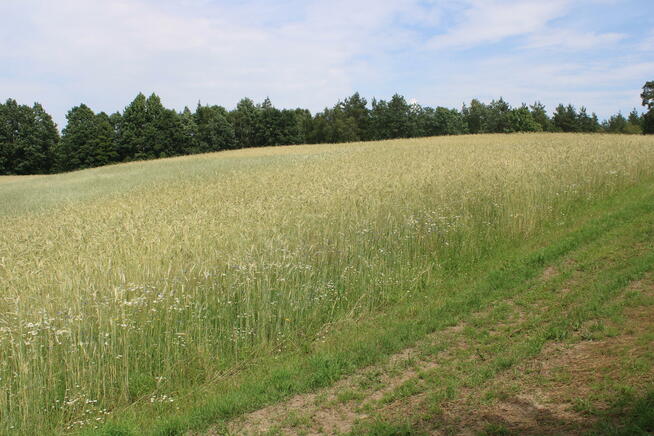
(570, 39)
(492, 21)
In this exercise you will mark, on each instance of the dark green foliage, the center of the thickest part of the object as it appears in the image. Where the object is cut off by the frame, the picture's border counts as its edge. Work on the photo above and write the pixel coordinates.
(264, 128)
(356, 108)
(616, 124)
(347, 121)
(648, 102)
(276, 127)
(28, 137)
(634, 123)
(539, 114)
(648, 123)
(148, 130)
(635, 118)
(104, 145)
(565, 119)
(498, 117)
(333, 125)
(244, 121)
(648, 95)
(162, 131)
(190, 141)
(476, 116)
(265, 125)
(521, 120)
(304, 122)
(393, 119)
(74, 151)
(442, 121)
(587, 123)
(210, 129)
(45, 138)
(290, 127)
(87, 141)
(130, 138)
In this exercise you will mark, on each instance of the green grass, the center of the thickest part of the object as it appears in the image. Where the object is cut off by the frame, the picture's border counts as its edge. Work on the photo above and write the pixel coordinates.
(160, 297)
(627, 415)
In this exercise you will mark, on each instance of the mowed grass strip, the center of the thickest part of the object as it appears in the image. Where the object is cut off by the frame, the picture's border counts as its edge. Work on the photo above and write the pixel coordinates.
(141, 297)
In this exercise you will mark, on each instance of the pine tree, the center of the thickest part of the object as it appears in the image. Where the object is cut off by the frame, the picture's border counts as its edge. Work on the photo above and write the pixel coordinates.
(267, 131)
(616, 124)
(391, 119)
(521, 120)
(648, 102)
(498, 117)
(76, 149)
(476, 116)
(565, 119)
(648, 122)
(356, 107)
(103, 144)
(244, 120)
(634, 123)
(46, 138)
(131, 140)
(290, 127)
(304, 122)
(189, 128)
(587, 123)
(539, 114)
(214, 131)
(443, 121)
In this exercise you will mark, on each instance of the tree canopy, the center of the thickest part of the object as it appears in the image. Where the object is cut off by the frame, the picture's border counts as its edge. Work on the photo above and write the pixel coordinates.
(648, 102)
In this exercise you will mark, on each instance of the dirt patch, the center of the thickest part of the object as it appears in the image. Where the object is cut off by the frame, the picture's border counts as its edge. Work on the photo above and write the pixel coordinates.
(554, 388)
(335, 410)
(549, 273)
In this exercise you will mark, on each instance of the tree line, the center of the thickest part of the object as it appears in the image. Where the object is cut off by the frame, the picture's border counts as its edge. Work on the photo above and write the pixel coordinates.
(30, 142)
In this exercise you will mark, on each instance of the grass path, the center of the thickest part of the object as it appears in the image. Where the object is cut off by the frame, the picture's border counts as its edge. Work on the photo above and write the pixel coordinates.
(569, 353)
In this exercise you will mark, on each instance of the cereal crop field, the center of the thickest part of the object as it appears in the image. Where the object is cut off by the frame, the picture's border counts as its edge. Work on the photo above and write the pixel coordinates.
(157, 297)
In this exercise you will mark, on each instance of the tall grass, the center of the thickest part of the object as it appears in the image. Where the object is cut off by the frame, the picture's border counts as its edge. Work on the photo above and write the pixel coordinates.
(123, 284)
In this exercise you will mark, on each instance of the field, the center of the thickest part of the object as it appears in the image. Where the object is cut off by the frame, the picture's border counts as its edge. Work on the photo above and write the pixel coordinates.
(171, 296)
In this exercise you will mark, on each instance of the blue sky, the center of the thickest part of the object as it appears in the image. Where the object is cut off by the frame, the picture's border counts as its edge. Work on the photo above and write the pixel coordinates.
(596, 53)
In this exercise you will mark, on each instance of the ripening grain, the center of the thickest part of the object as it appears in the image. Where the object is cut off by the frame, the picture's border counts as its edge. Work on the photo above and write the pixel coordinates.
(120, 284)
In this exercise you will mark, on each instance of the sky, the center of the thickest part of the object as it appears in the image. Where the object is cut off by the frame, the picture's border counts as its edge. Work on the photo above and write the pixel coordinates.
(310, 54)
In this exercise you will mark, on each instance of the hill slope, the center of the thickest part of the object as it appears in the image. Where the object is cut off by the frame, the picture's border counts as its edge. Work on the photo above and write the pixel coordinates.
(198, 288)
